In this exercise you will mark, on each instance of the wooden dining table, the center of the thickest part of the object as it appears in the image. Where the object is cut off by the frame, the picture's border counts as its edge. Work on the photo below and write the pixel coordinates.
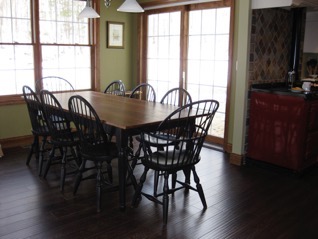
(128, 117)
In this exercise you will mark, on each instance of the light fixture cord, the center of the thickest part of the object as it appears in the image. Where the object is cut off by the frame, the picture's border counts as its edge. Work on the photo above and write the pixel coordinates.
(107, 3)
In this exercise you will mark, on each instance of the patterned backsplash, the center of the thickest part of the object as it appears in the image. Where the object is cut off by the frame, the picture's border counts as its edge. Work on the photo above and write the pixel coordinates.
(270, 45)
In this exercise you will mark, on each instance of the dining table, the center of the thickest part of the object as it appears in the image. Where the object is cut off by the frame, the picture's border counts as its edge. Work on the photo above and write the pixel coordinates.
(128, 117)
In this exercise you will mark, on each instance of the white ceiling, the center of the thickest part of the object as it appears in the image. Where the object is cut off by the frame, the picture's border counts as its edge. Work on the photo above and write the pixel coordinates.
(310, 4)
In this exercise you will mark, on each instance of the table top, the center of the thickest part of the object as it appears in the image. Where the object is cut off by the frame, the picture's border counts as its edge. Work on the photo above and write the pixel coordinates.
(121, 112)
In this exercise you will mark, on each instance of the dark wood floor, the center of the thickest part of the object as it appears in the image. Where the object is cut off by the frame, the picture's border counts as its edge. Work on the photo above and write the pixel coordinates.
(243, 202)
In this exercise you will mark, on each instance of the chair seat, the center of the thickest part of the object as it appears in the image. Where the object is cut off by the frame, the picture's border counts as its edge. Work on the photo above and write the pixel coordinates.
(159, 140)
(165, 161)
(99, 152)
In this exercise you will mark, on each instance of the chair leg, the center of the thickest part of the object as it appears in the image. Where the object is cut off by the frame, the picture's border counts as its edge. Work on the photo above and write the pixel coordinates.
(136, 157)
(199, 187)
(98, 186)
(63, 168)
(33, 148)
(41, 156)
(133, 165)
(155, 183)
(187, 175)
(79, 176)
(131, 176)
(137, 195)
(174, 180)
(110, 172)
(49, 161)
(165, 201)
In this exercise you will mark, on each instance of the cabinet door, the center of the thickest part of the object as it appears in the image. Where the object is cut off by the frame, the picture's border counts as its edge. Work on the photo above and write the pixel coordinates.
(277, 129)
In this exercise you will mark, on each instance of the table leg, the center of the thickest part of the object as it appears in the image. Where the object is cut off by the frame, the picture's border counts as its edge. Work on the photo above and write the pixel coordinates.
(122, 144)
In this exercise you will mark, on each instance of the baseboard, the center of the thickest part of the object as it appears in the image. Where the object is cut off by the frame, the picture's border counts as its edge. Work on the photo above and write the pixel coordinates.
(16, 141)
(236, 159)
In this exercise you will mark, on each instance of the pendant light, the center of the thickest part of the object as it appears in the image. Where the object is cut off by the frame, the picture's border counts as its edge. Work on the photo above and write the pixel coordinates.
(130, 6)
(88, 11)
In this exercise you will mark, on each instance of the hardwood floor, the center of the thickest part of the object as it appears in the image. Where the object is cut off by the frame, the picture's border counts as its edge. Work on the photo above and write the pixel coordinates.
(243, 202)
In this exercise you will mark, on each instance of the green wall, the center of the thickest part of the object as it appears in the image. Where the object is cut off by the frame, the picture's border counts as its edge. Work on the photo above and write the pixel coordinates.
(118, 64)
(14, 121)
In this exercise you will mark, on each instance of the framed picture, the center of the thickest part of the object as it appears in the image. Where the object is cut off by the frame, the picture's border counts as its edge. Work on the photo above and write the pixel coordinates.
(115, 34)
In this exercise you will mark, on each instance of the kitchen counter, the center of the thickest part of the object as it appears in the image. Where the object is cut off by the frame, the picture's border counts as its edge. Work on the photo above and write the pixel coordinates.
(282, 89)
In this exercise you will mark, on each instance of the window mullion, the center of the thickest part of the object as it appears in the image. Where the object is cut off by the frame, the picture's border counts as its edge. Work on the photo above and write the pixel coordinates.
(36, 39)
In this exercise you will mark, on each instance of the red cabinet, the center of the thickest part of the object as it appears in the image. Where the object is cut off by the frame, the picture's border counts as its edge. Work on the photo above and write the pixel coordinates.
(283, 130)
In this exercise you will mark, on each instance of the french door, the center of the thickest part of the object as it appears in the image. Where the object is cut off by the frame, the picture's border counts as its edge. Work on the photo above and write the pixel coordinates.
(188, 47)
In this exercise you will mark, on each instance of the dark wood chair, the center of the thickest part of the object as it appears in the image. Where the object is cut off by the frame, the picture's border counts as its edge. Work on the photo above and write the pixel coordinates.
(176, 97)
(191, 123)
(144, 91)
(63, 138)
(95, 145)
(53, 84)
(116, 87)
(39, 126)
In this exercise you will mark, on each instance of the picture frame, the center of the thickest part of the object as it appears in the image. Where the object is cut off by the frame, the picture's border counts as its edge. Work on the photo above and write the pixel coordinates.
(115, 34)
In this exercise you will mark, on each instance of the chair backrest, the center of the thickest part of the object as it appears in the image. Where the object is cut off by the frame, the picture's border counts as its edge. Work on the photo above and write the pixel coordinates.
(53, 84)
(144, 91)
(35, 109)
(115, 88)
(177, 97)
(87, 122)
(57, 120)
(191, 124)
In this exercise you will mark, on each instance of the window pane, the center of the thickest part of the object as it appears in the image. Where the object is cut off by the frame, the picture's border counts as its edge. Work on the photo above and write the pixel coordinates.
(69, 62)
(64, 33)
(59, 22)
(164, 24)
(194, 47)
(20, 8)
(64, 10)
(153, 25)
(5, 9)
(195, 23)
(21, 31)
(48, 32)
(223, 20)
(47, 10)
(24, 57)
(81, 33)
(7, 57)
(5, 30)
(208, 21)
(208, 47)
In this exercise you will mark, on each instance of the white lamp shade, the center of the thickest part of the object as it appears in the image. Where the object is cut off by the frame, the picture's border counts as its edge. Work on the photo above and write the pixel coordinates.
(130, 6)
(88, 12)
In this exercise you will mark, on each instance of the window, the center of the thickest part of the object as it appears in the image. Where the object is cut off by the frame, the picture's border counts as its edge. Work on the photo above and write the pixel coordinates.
(43, 39)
